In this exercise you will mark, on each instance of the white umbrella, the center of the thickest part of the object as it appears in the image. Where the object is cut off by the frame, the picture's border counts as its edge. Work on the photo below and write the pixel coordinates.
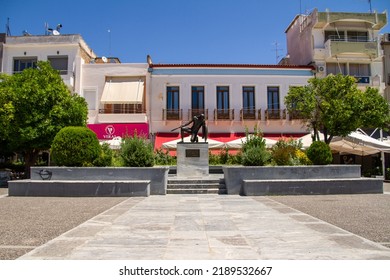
(358, 144)
(237, 144)
(307, 140)
(115, 143)
(213, 144)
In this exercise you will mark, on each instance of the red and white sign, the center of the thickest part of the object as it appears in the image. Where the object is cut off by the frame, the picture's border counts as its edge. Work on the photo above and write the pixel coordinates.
(108, 131)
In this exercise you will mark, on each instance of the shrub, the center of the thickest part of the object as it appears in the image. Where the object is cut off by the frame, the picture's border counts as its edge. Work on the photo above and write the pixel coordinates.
(255, 156)
(105, 157)
(254, 151)
(75, 146)
(137, 152)
(163, 158)
(319, 153)
(284, 151)
(301, 158)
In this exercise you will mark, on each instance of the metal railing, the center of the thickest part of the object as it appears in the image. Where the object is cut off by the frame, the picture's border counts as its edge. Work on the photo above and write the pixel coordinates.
(196, 112)
(172, 114)
(224, 114)
(275, 114)
(249, 114)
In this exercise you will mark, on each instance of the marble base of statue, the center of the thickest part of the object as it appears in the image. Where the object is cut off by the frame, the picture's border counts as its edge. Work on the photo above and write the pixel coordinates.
(192, 159)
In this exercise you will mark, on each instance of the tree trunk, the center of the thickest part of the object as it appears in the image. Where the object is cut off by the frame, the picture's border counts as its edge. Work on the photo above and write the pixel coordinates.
(30, 158)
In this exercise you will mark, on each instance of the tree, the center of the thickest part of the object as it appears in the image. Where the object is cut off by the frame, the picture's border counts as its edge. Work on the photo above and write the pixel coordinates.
(34, 106)
(335, 106)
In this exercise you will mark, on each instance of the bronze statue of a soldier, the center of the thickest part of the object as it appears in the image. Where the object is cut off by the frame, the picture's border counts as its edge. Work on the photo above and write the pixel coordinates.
(197, 122)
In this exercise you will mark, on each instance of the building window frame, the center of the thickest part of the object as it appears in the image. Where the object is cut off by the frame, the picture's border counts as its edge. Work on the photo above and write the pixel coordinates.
(21, 63)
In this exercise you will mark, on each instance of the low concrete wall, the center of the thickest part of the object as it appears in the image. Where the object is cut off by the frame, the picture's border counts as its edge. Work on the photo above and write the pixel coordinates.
(235, 175)
(158, 176)
(79, 188)
(312, 186)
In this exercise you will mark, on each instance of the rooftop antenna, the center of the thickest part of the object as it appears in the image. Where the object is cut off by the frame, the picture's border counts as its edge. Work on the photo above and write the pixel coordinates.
(109, 42)
(277, 49)
(7, 28)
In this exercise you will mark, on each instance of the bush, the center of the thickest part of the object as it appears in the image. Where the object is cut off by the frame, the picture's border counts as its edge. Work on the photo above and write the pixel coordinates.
(255, 156)
(319, 153)
(137, 152)
(283, 152)
(105, 157)
(163, 158)
(254, 151)
(75, 146)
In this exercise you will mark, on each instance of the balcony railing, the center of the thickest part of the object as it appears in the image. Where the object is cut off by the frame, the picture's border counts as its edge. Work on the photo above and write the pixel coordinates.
(128, 109)
(196, 112)
(295, 115)
(249, 114)
(224, 114)
(172, 114)
(275, 114)
(368, 48)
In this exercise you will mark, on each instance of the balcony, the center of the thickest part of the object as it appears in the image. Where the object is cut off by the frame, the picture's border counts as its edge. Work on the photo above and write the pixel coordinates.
(351, 46)
(224, 114)
(275, 114)
(295, 115)
(195, 112)
(172, 114)
(250, 114)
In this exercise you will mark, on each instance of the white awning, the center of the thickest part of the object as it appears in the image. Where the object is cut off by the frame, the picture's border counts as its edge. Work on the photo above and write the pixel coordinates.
(123, 92)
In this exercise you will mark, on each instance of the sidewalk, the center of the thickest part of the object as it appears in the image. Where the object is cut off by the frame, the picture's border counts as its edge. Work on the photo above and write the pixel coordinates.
(208, 227)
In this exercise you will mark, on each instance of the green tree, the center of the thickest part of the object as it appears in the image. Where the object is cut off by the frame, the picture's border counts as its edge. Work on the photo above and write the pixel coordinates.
(34, 106)
(335, 106)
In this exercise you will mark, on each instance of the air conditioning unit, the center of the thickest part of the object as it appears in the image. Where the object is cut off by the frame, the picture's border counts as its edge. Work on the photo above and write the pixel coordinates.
(321, 69)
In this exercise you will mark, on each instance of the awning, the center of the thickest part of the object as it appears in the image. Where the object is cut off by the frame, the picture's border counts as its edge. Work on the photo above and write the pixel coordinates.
(109, 131)
(123, 92)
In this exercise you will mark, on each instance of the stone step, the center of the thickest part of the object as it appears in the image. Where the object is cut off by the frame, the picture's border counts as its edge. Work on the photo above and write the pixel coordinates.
(214, 185)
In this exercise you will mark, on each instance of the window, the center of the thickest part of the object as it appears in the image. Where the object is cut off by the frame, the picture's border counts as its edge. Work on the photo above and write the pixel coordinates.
(59, 63)
(248, 103)
(23, 63)
(222, 98)
(223, 111)
(333, 35)
(336, 68)
(173, 109)
(357, 36)
(359, 70)
(248, 98)
(90, 97)
(197, 101)
(273, 106)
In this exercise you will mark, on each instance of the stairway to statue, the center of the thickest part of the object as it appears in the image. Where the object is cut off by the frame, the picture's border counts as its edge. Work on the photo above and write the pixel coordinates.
(212, 184)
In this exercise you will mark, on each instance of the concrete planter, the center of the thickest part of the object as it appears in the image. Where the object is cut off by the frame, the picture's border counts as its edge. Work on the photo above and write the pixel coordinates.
(314, 179)
(99, 180)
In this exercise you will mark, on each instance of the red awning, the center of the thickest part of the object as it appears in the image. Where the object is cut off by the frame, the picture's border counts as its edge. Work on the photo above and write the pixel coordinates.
(107, 131)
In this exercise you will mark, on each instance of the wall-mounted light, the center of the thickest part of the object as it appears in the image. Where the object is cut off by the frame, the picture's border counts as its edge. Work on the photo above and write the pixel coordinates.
(25, 53)
(58, 52)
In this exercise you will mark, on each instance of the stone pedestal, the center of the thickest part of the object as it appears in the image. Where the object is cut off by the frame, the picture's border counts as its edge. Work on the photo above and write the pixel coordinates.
(192, 159)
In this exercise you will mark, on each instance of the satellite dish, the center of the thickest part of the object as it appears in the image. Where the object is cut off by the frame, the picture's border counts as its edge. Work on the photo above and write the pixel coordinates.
(55, 32)
(104, 59)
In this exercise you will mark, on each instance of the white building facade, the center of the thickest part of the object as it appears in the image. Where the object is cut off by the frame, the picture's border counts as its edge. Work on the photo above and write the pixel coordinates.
(66, 53)
(233, 98)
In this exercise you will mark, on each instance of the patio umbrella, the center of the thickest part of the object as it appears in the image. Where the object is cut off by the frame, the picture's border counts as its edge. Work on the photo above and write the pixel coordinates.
(307, 140)
(213, 144)
(237, 144)
(358, 144)
(115, 143)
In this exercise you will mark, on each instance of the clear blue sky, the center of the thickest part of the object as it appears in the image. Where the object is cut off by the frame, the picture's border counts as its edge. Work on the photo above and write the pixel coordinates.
(175, 31)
